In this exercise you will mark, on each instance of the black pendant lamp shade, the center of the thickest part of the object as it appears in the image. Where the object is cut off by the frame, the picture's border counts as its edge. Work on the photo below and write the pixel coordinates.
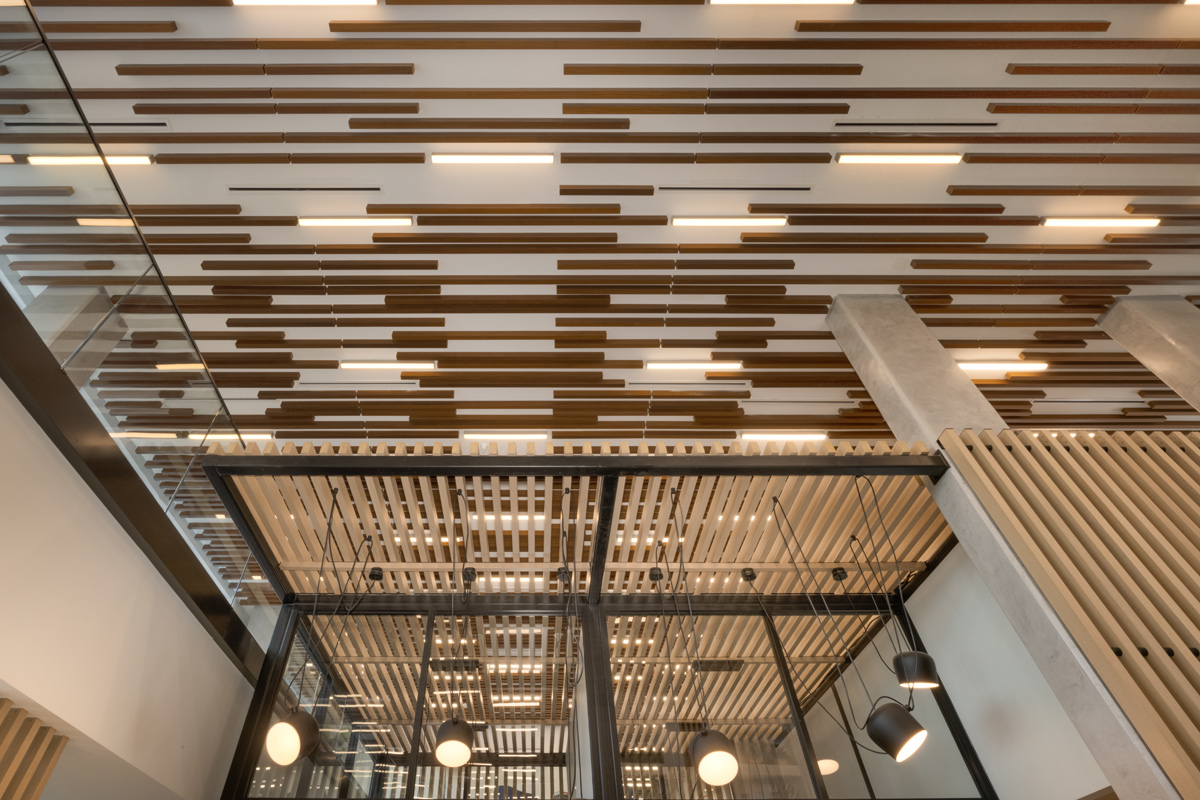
(895, 730)
(713, 755)
(916, 670)
(293, 737)
(454, 740)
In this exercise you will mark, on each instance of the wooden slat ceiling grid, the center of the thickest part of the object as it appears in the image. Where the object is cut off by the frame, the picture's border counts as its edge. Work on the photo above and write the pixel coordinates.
(1057, 112)
(408, 526)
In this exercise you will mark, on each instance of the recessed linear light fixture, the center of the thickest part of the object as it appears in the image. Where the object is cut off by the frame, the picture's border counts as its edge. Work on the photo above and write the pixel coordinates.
(387, 365)
(780, 2)
(229, 437)
(181, 365)
(354, 222)
(783, 437)
(879, 158)
(143, 435)
(5, 159)
(1101, 222)
(101, 222)
(490, 158)
(728, 222)
(710, 365)
(514, 435)
(75, 161)
(304, 2)
(1018, 366)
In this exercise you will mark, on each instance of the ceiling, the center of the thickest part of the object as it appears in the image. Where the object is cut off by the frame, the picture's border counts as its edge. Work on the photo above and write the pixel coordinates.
(540, 292)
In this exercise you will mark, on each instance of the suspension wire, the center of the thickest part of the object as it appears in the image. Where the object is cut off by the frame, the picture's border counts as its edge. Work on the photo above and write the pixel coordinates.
(863, 626)
(572, 604)
(317, 593)
(694, 667)
(895, 559)
(870, 571)
(799, 676)
(455, 649)
(829, 612)
(670, 665)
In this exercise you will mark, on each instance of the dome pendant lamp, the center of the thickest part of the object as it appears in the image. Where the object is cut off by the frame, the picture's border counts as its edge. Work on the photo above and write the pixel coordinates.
(454, 740)
(293, 737)
(916, 670)
(712, 753)
(895, 730)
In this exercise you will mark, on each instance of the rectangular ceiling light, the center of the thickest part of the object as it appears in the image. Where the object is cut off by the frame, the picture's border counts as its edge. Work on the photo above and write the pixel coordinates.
(783, 437)
(6, 159)
(490, 158)
(101, 222)
(780, 2)
(728, 222)
(879, 158)
(304, 2)
(181, 365)
(229, 437)
(516, 435)
(1014, 366)
(354, 222)
(143, 435)
(694, 365)
(387, 365)
(73, 161)
(1101, 222)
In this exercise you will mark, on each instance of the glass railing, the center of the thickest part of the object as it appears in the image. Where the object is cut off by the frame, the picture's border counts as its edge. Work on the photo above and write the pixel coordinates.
(78, 266)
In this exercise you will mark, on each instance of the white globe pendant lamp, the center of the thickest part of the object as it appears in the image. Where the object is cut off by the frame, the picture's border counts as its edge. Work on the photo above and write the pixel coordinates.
(712, 753)
(293, 737)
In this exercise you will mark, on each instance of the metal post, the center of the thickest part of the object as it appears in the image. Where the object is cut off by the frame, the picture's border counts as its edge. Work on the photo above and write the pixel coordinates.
(608, 502)
(853, 742)
(967, 750)
(262, 704)
(789, 689)
(414, 740)
(602, 713)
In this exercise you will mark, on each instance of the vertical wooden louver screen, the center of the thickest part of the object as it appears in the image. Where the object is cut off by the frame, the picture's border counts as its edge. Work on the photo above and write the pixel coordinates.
(28, 752)
(1108, 526)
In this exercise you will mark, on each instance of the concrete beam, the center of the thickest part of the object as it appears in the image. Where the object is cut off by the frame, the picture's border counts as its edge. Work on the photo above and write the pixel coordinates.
(921, 392)
(1164, 334)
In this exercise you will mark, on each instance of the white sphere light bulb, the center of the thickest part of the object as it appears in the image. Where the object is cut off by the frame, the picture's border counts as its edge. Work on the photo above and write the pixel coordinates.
(713, 755)
(283, 743)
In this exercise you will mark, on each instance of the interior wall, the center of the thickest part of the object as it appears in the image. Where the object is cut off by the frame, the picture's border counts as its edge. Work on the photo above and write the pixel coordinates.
(94, 635)
(1025, 740)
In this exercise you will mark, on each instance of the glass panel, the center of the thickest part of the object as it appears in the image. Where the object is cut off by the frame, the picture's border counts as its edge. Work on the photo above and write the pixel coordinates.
(76, 265)
(662, 701)
(516, 681)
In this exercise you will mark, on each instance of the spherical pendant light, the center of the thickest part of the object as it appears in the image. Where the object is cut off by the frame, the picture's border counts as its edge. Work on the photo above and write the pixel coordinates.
(454, 740)
(713, 755)
(293, 737)
(916, 670)
(895, 730)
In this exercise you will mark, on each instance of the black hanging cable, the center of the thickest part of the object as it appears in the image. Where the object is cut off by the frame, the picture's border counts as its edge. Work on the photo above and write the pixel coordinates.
(455, 648)
(317, 594)
(862, 625)
(871, 573)
(659, 548)
(895, 559)
(799, 676)
(875, 702)
(566, 576)
(694, 667)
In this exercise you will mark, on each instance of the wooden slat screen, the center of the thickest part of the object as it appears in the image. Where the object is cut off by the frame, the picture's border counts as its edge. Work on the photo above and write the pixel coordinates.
(1108, 526)
(28, 752)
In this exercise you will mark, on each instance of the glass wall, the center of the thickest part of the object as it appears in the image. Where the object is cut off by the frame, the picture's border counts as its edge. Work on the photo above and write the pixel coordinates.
(78, 267)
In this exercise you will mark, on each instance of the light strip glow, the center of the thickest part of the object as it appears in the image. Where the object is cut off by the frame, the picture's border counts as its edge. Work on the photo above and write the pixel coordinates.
(387, 365)
(783, 437)
(143, 435)
(516, 704)
(1016, 366)
(304, 2)
(710, 365)
(101, 222)
(185, 365)
(229, 437)
(1101, 222)
(490, 158)
(868, 158)
(780, 2)
(6, 159)
(484, 437)
(354, 222)
(729, 222)
(72, 161)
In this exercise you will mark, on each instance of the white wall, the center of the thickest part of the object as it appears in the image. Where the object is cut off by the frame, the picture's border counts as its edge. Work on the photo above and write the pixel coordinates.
(1027, 744)
(93, 634)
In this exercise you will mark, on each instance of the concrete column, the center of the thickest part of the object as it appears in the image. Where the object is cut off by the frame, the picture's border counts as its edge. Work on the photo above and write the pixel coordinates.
(921, 392)
(1164, 334)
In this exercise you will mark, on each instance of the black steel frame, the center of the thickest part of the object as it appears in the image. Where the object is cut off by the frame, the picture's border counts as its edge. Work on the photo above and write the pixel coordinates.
(594, 607)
